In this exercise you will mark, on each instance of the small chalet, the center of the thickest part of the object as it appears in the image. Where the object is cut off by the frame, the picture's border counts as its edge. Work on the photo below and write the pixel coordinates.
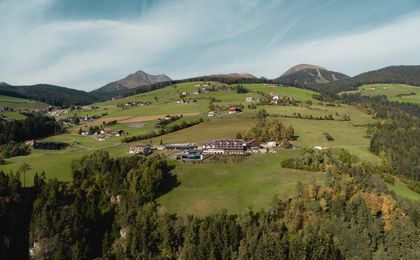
(234, 110)
(211, 113)
(249, 99)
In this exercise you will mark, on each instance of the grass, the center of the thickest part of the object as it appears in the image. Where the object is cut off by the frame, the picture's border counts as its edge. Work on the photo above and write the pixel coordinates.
(210, 187)
(394, 92)
(140, 120)
(12, 115)
(402, 190)
(20, 103)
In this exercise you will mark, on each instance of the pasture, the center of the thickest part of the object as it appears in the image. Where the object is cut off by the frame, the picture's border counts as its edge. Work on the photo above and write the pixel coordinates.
(20, 103)
(394, 92)
(209, 187)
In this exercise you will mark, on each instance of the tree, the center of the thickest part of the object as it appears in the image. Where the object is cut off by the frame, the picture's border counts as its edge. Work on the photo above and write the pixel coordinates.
(290, 132)
(23, 169)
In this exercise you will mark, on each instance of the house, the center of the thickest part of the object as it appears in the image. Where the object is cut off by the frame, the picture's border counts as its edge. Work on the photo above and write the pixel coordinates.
(288, 99)
(89, 107)
(249, 99)
(252, 146)
(225, 146)
(30, 143)
(211, 113)
(140, 149)
(234, 110)
(181, 101)
(271, 144)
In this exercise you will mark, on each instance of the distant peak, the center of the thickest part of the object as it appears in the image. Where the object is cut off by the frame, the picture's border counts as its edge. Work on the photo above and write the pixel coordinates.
(301, 67)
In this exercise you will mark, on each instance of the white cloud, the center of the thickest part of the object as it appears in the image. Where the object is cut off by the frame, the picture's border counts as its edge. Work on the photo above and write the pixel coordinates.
(182, 38)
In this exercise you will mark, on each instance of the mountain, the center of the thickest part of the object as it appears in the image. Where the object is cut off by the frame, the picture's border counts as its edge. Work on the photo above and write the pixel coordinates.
(301, 67)
(393, 75)
(303, 75)
(133, 81)
(50, 94)
(243, 75)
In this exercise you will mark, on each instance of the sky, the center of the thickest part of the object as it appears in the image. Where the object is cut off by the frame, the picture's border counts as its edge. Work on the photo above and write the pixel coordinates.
(85, 44)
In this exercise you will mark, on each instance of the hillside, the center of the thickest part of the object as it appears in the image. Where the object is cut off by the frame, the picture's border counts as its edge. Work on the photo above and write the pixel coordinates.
(303, 75)
(20, 104)
(137, 80)
(409, 75)
(50, 94)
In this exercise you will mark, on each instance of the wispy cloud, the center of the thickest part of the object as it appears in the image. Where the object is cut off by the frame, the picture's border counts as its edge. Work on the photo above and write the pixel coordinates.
(192, 37)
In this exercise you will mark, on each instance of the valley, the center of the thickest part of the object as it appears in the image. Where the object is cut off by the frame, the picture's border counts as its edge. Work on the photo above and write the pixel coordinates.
(306, 115)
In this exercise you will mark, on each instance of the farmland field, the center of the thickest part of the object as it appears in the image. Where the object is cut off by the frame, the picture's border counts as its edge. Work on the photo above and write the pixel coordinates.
(402, 190)
(210, 187)
(394, 92)
(20, 103)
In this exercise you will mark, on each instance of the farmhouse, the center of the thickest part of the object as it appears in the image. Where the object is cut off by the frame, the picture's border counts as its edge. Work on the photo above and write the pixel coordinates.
(249, 99)
(212, 113)
(234, 110)
(111, 133)
(225, 146)
(140, 149)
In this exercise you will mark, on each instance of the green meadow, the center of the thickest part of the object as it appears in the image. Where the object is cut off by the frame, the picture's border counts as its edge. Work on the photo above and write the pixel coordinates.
(20, 103)
(211, 186)
(394, 92)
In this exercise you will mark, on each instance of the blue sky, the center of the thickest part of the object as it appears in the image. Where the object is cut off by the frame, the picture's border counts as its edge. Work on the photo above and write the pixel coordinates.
(85, 44)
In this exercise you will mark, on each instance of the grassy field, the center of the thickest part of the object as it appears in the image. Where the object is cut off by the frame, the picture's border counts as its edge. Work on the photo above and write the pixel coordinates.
(210, 187)
(12, 115)
(394, 92)
(140, 120)
(402, 190)
(21, 104)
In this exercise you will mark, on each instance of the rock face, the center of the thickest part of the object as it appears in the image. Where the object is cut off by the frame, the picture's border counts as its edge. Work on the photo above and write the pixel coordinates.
(132, 81)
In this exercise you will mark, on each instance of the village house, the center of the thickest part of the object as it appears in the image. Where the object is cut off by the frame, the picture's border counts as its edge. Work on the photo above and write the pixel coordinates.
(234, 110)
(111, 132)
(225, 146)
(288, 100)
(211, 113)
(58, 112)
(89, 107)
(140, 149)
(249, 99)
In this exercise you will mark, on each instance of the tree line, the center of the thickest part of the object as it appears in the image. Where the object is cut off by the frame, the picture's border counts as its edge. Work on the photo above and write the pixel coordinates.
(109, 211)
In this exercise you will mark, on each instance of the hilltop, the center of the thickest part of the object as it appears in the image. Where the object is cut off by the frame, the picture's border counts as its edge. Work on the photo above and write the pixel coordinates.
(303, 75)
(137, 80)
(50, 94)
(409, 75)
